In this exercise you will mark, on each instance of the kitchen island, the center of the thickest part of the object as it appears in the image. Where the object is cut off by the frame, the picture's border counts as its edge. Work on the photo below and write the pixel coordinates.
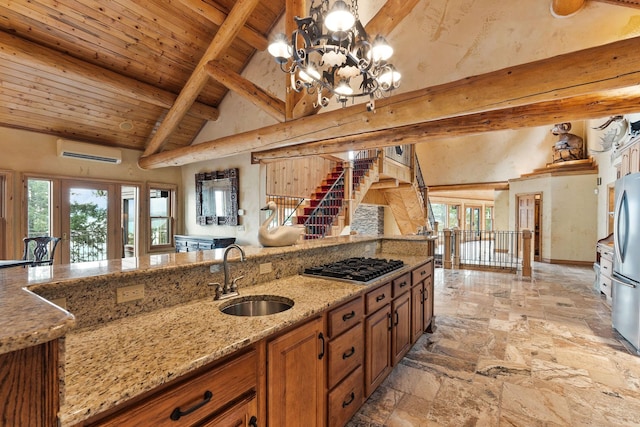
(120, 351)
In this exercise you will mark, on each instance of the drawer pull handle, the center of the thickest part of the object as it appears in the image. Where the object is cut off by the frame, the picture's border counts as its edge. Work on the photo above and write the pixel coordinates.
(346, 403)
(423, 272)
(397, 319)
(321, 338)
(349, 316)
(403, 284)
(253, 422)
(380, 297)
(349, 353)
(177, 413)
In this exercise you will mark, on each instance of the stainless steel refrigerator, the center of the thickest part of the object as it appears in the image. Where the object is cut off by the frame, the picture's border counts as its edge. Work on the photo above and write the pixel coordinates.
(625, 305)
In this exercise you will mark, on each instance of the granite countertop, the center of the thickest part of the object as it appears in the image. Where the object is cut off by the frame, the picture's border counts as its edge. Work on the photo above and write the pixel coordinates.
(111, 363)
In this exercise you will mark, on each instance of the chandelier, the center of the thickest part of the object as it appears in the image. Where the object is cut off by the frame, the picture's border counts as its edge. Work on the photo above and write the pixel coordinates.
(330, 53)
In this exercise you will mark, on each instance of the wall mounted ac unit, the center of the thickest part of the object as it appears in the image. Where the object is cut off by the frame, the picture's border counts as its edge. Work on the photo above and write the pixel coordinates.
(83, 151)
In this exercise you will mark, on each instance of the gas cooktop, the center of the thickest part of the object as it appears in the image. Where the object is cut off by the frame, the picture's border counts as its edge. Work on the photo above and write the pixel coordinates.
(355, 269)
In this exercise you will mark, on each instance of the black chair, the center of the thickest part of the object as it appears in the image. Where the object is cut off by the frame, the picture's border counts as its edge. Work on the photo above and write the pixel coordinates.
(40, 250)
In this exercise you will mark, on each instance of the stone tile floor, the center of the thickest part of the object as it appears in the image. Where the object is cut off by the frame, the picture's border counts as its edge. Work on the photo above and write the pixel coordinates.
(513, 352)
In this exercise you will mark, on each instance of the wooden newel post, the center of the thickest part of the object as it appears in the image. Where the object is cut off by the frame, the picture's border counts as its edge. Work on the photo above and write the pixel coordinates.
(457, 242)
(526, 253)
(446, 256)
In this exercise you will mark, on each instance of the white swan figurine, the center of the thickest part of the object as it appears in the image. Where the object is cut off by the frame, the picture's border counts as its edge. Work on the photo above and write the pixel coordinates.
(278, 236)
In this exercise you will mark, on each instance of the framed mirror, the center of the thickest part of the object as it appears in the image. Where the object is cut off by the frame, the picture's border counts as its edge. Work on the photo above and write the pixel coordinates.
(217, 197)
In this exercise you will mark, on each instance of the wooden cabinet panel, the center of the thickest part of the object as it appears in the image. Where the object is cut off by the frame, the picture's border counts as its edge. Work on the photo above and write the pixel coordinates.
(427, 306)
(345, 399)
(345, 316)
(295, 377)
(377, 348)
(417, 312)
(191, 401)
(401, 331)
(345, 353)
(29, 386)
(401, 284)
(377, 298)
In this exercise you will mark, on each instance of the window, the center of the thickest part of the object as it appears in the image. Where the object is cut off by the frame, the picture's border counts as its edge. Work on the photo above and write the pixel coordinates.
(161, 216)
(454, 216)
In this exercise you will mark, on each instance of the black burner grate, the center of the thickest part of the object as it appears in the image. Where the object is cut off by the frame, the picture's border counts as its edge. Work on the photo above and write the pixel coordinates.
(356, 269)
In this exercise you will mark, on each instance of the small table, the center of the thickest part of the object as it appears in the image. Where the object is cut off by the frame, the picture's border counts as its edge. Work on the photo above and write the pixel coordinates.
(6, 263)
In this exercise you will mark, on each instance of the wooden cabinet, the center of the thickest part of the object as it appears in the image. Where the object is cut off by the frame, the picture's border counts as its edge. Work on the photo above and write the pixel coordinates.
(629, 158)
(377, 348)
(295, 376)
(345, 373)
(29, 386)
(401, 327)
(226, 390)
(422, 277)
(417, 311)
(241, 414)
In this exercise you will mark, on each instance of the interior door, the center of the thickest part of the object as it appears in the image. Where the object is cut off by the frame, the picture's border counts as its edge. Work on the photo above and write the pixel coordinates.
(89, 213)
(530, 218)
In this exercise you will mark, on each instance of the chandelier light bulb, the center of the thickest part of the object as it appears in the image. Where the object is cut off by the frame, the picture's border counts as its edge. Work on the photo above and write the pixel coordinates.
(390, 79)
(381, 50)
(279, 48)
(339, 17)
(343, 89)
(309, 75)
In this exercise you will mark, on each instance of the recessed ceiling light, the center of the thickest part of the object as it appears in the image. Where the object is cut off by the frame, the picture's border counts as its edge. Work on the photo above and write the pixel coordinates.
(126, 125)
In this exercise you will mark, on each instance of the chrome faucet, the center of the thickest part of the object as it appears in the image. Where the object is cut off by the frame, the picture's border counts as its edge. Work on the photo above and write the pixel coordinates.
(228, 290)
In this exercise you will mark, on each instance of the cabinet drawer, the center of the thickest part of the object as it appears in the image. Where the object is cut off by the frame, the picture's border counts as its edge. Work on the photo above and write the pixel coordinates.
(345, 316)
(605, 285)
(401, 284)
(606, 266)
(345, 353)
(210, 391)
(377, 298)
(345, 399)
(422, 272)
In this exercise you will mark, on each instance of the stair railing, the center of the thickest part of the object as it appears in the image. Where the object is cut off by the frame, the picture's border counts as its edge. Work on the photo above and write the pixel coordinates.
(318, 222)
(423, 193)
(362, 161)
(288, 206)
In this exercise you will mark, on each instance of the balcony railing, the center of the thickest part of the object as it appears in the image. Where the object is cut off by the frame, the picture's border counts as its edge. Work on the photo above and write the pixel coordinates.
(496, 250)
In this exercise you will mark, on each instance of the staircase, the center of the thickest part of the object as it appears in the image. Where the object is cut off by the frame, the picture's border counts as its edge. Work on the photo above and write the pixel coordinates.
(324, 215)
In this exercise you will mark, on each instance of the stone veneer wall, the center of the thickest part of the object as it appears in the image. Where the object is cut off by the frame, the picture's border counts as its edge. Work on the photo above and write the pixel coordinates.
(368, 220)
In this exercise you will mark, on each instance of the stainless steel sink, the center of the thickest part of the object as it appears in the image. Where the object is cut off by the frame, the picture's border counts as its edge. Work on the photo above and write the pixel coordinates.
(257, 305)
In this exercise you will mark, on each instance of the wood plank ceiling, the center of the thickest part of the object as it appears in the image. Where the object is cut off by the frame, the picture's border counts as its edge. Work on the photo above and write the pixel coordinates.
(107, 72)
(125, 73)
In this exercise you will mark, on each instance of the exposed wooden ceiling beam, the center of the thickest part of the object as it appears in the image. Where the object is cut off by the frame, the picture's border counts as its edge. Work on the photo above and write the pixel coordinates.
(246, 89)
(383, 23)
(220, 43)
(563, 8)
(627, 3)
(246, 34)
(607, 67)
(539, 114)
(28, 54)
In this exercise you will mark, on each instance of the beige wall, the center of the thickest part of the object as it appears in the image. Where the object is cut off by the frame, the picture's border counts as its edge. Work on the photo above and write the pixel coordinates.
(23, 152)
(569, 215)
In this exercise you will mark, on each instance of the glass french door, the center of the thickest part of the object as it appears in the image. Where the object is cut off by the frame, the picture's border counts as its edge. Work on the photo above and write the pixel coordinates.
(88, 212)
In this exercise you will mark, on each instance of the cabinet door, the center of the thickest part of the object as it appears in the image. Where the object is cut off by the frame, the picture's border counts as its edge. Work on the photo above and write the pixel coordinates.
(401, 332)
(427, 305)
(417, 311)
(295, 374)
(377, 348)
